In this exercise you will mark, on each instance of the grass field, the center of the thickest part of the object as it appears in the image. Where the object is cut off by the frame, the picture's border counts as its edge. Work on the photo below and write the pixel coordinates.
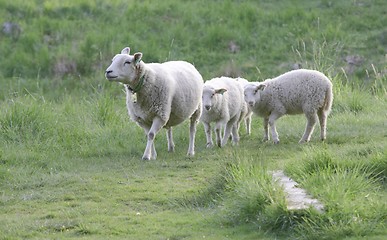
(70, 159)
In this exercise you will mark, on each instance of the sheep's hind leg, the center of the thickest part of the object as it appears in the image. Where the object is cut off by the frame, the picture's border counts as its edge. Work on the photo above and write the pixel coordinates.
(266, 129)
(171, 144)
(227, 131)
(311, 121)
(248, 124)
(157, 124)
(235, 134)
(322, 116)
(218, 133)
(192, 131)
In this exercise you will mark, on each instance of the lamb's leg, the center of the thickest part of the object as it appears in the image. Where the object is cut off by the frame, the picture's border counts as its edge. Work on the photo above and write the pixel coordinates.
(311, 118)
(235, 134)
(266, 129)
(227, 131)
(192, 131)
(322, 116)
(171, 144)
(274, 134)
(157, 124)
(218, 133)
(207, 130)
(248, 124)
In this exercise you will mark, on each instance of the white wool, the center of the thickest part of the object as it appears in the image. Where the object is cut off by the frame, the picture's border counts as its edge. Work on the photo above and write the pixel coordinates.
(295, 92)
(222, 104)
(165, 95)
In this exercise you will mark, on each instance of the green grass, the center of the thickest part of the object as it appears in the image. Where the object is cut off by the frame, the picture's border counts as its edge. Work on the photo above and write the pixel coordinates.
(70, 157)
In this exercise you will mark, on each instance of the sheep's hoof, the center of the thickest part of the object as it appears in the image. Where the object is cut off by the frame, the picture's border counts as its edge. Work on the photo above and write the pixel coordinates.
(276, 142)
(190, 154)
(145, 158)
(209, 145)
(171, 149)
(265, 139)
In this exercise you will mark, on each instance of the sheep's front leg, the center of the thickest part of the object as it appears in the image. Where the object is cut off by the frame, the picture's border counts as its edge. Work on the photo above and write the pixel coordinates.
(192, 130)
(207, 130)
(157, 124)
(171, 144)
(274, 134)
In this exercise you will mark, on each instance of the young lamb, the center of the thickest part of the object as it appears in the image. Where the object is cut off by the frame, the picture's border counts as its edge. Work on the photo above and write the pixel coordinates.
(295, 92)
(222, 104)
(246, 111)
(159, 95)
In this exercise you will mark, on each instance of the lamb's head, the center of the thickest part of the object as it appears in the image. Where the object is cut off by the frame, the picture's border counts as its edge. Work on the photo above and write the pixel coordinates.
(124, 67)
(252, 93)
(210, 96)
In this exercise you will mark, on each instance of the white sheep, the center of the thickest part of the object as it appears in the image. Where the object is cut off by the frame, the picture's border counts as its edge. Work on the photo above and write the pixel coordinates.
(295, 92)
(159, 95)
(222, 104)
(247, 112)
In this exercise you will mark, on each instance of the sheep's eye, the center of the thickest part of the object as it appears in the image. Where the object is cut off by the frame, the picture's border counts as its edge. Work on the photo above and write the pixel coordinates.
(127, 62)
(213, 95)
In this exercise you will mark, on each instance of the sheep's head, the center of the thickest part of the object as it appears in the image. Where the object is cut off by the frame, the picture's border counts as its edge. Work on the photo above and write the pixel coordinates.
(253, 93)
(210, 96)
(123, 67)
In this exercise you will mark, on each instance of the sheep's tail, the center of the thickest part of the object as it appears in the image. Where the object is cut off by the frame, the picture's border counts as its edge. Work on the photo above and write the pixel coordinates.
(328, 99)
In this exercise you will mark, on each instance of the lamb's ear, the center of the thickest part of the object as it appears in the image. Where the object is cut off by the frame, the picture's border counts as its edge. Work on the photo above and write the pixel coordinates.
(261, 86)
(125, 50)
(137, 58)
(220, 90)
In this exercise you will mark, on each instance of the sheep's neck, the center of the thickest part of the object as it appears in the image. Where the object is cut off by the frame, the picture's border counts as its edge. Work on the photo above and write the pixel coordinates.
(138, 84)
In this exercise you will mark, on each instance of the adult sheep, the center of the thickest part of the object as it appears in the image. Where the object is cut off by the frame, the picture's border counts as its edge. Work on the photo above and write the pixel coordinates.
(222, 104)
(159, 95)
(295, 92)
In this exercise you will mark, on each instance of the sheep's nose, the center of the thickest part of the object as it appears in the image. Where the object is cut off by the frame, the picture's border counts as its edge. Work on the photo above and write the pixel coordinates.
(251, 103)
(207, 107)
(108, 71)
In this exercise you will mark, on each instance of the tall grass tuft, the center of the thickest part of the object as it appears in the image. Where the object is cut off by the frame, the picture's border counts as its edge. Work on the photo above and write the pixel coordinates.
(350, 191)
(250, 189)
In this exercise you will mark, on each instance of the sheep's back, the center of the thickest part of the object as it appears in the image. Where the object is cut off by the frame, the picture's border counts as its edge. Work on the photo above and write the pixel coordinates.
(299, 90)
(184, 84)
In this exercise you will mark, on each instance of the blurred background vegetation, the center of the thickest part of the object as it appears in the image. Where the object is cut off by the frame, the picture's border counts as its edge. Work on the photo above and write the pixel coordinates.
(68, 44)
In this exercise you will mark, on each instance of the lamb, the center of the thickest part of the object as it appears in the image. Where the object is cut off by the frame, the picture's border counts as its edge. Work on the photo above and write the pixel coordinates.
(222, 104)
(246, 113)
(159, 95)
(295, 92)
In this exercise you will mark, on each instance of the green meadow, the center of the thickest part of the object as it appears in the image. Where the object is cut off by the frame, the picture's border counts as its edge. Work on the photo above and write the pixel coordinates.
(70, 158)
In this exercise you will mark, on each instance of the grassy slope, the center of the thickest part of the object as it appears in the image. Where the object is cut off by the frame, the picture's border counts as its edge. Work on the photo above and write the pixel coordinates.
(69, 159)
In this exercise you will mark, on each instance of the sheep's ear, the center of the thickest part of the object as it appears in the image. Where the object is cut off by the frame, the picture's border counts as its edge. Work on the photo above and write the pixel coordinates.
(261, 86)
(221, 91)
(137, 58)
(125, 50)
